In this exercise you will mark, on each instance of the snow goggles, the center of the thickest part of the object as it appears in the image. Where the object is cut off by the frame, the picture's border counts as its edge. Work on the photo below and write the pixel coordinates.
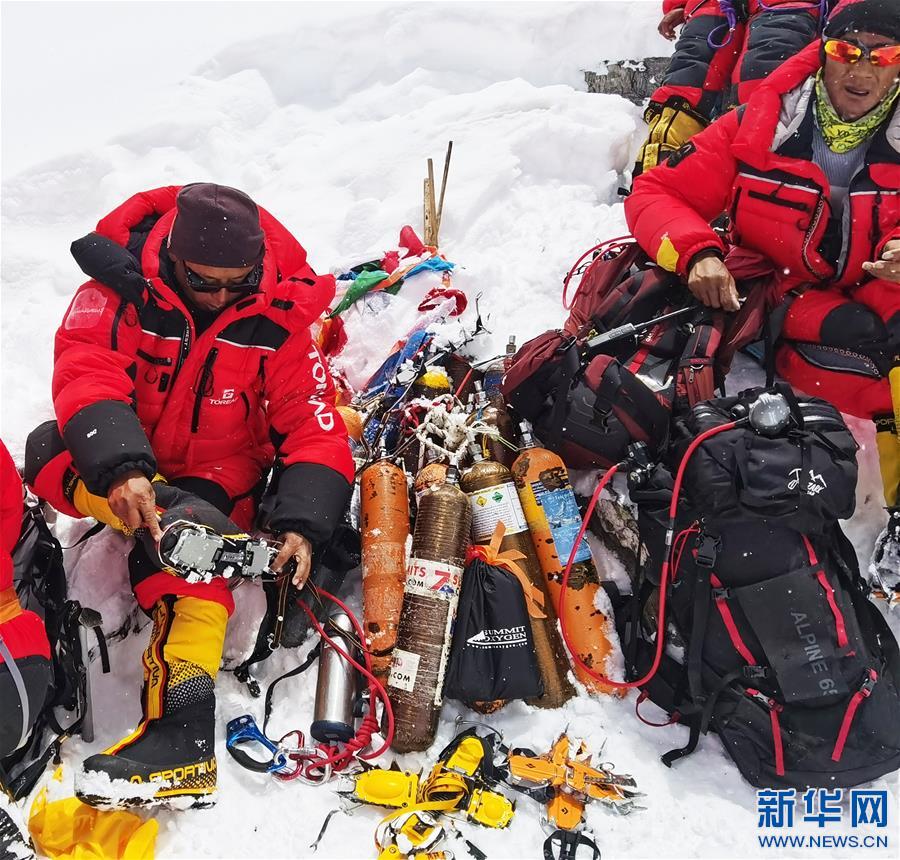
(851, 52)
(248, 285)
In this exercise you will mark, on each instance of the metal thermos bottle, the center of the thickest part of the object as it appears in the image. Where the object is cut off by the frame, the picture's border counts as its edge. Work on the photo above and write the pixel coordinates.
(336, 687)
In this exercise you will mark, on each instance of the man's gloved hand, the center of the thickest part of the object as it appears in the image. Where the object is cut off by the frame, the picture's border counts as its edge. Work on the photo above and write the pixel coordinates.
(711, 282)
(132, 499)
(297, 547)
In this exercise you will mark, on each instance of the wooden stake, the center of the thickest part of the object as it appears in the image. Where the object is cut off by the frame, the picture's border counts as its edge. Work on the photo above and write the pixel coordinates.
(429, 218)
(440, 208)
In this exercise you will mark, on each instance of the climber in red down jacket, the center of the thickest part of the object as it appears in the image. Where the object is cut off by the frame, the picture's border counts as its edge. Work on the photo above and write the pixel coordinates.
(187, 358)
(808, 173)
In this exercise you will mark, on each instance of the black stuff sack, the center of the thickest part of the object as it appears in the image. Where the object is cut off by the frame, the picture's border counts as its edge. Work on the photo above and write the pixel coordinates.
(492, 655)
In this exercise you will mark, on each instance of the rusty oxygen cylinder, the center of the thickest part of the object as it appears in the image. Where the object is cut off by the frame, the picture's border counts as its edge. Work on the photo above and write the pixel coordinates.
(493, 374)
(494, 416)
(384, 527)
(433, 472)
(492, 495)
(554, 520)
(462, 375)
(433, 579)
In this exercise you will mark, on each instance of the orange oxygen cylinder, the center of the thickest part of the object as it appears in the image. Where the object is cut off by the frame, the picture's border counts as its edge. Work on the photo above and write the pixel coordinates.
(554, 520)
(433, 579)
(352, 421)
(493, 497)
(384, 527)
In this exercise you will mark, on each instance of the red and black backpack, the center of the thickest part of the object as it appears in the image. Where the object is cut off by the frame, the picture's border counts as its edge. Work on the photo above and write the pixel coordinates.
(590, 404)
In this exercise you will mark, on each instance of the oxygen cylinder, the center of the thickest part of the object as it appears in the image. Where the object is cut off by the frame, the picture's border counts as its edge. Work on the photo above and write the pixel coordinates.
(493, 374)
(433, 579)
(336, 686)
(493, 498)
(354, 423)
(384, 528)
(462, 376)
(554, 520)
(494, 416)
(433, 472)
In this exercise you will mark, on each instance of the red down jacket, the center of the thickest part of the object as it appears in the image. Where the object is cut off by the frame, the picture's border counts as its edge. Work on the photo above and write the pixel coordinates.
(22, 634)
(134, 386)
(753, 164)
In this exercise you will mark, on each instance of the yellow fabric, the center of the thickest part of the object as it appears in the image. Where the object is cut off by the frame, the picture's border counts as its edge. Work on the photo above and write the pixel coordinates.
(71, 830)
(9, 605)
(894, 381)
(670, 129)
(197, 634)
(666, 255)
(888, 444)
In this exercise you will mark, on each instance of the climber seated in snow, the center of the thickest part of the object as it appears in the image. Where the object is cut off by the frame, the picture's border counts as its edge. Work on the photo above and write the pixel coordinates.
(724, 52)
(809, 174)
(188, 359)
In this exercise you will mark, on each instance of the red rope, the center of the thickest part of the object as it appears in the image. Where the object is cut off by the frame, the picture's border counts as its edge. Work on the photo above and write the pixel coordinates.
(609, 245)
(338, 757)
(664, 576)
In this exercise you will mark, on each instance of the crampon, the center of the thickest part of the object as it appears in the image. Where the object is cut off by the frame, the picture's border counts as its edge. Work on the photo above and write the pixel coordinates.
(198, 553)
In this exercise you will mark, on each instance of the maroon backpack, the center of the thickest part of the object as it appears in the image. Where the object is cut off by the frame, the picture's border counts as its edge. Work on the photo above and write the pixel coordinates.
(589, 403)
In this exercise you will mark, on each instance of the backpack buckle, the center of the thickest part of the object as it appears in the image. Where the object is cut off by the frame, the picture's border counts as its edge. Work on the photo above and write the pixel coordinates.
(755, 673)
(707, 550)
(869, 684)
(722, 594)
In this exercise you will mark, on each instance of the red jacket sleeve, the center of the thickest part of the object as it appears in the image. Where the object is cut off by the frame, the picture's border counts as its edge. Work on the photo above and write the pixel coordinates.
(311, 440)
(669, 5)
(670, 206)
(10, 515)
(93, 388)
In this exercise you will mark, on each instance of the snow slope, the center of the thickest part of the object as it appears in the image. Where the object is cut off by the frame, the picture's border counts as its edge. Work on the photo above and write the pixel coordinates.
(328, 124)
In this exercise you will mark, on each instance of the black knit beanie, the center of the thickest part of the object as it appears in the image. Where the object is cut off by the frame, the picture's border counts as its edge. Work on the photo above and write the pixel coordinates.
(881, 17)
(216, 226)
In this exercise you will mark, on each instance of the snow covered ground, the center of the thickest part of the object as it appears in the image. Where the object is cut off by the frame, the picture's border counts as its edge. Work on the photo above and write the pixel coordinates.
(327, 121)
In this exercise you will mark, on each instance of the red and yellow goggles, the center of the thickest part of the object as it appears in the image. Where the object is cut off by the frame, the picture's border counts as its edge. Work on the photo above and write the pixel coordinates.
(851, 52)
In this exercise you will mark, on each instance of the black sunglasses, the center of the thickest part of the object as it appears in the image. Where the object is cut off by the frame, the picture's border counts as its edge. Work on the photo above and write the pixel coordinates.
(248, 285)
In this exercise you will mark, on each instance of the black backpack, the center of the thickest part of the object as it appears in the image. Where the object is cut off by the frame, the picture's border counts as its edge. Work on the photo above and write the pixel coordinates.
(772, 643)
(40, 582)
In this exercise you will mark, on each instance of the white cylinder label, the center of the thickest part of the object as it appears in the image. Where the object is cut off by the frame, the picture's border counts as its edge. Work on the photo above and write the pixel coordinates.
(493, 505)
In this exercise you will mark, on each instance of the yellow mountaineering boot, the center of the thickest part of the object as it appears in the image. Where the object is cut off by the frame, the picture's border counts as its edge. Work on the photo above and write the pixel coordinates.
(170, 758)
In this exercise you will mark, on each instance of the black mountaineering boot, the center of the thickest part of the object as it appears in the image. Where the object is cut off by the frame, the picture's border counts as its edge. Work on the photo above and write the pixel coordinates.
(170, 758)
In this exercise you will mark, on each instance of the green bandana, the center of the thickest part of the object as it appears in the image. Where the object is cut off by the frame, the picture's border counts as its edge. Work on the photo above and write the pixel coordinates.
(842, 135)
